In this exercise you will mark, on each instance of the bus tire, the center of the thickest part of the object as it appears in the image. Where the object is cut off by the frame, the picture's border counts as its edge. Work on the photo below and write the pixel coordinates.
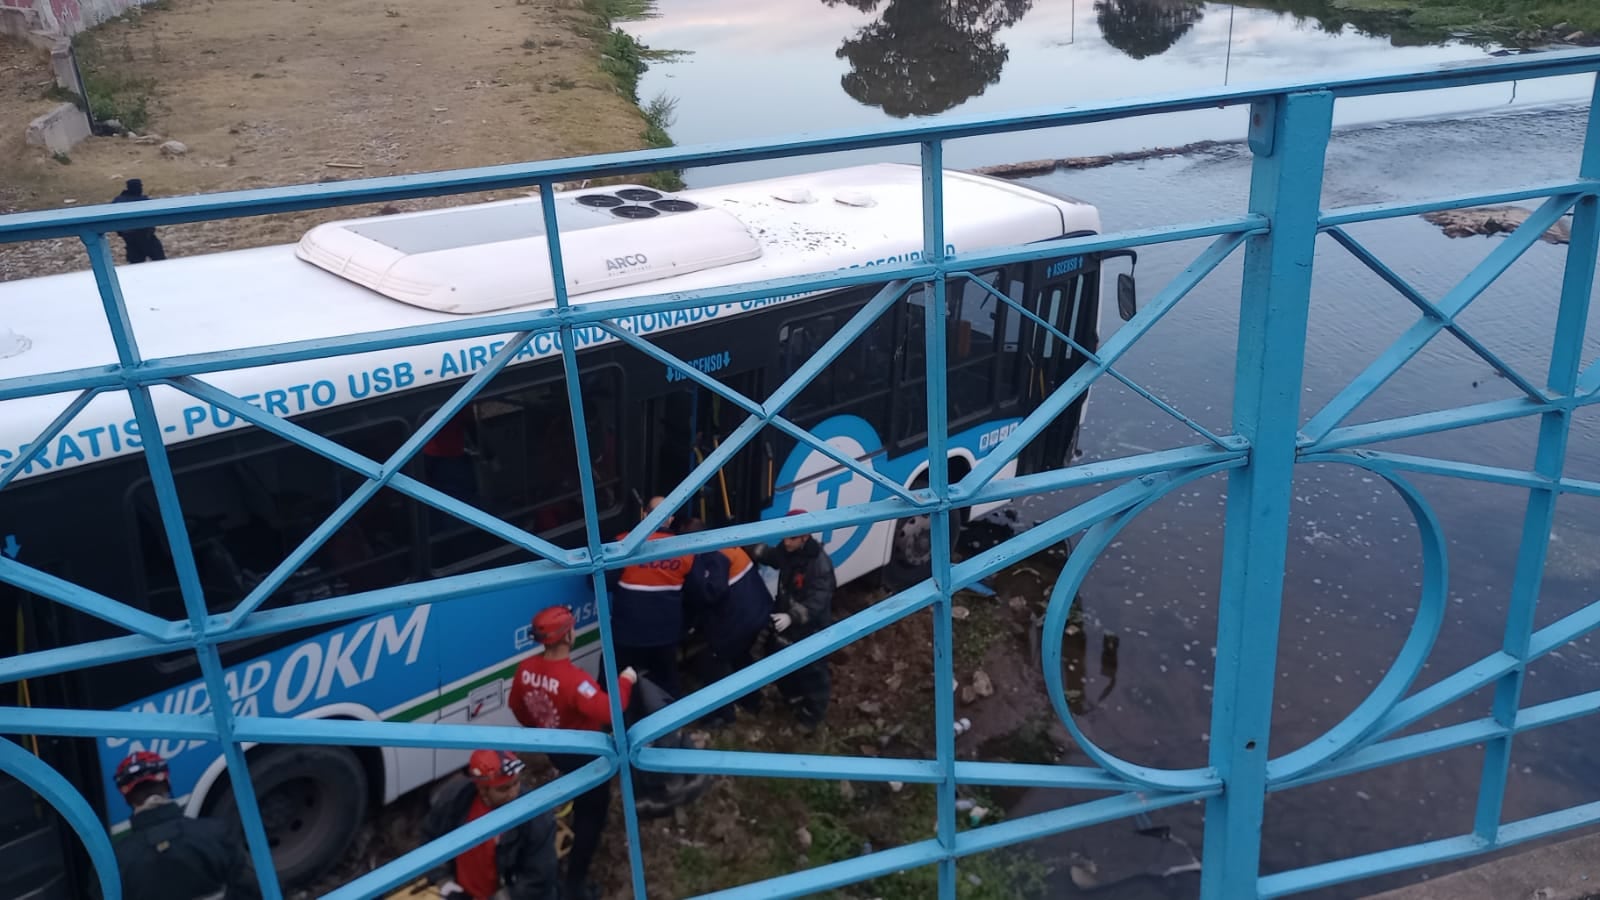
(911, 545)
(313, 801)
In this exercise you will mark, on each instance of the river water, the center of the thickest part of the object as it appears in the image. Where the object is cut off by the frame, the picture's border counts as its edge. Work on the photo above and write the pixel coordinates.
(783, 67)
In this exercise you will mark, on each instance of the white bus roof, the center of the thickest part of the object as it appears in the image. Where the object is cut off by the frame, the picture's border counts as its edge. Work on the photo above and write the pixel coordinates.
(783, 227)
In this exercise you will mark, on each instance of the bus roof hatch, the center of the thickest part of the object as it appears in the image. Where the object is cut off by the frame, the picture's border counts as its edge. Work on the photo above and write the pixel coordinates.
(492, 256)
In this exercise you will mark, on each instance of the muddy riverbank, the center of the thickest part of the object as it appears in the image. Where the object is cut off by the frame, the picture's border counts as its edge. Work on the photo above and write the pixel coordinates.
(315, 90)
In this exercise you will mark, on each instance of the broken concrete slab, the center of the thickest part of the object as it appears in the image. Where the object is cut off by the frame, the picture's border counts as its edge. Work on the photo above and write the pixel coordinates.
(58, 130)
(1492, 220)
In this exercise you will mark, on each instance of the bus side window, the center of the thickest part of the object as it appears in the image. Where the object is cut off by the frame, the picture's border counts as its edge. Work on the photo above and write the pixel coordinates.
(973, 316)
(804, 339)
(516, 460)
(246, 512)
(1011, 356)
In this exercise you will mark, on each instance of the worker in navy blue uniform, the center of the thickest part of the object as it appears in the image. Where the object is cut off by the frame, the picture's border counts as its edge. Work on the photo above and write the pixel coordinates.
(804, 606)
(729, 614)
(647, 610)
(141, 243)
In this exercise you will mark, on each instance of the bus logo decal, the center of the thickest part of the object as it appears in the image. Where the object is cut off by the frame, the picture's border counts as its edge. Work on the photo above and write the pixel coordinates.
(295, 675)
(819, 482)
(624, 263)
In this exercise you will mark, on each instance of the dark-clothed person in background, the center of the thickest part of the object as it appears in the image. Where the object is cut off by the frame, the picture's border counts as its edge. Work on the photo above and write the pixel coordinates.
(141, 243)
(804, 607)
(731, 609)
(169, 856)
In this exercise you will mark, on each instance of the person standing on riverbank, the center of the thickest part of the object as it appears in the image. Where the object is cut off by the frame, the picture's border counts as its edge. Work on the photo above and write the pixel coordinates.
(140, 243)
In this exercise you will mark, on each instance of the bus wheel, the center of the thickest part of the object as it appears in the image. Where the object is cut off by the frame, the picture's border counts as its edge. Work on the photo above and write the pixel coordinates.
(911, 547)
(312, 801)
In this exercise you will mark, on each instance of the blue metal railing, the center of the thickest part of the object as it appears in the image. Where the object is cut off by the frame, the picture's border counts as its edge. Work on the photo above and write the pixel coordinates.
(1288, 133)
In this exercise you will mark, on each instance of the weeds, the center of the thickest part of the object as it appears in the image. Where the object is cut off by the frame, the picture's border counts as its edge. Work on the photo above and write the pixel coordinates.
(659, 114)
(842, 820)
(111, 92)
(612, 11)
(623, 60)
(62, 158)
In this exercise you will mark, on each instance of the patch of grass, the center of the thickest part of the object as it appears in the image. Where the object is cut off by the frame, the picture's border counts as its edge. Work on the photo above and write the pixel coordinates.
(621, 10)
(112, 93)
(659, 115)
(1412, 22)
(844, 820)
(623, 62)
(986, 624)
(62, 158)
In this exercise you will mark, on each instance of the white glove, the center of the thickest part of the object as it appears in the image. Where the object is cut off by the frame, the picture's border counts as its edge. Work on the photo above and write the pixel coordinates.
(781, 622)
(451, 889)
(628, 674)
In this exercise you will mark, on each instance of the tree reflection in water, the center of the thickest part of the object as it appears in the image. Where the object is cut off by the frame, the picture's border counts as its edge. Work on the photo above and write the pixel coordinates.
(1144, 28)
(923, 57)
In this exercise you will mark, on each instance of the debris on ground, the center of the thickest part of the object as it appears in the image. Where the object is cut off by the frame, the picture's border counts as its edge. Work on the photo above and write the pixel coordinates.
(1492, 220)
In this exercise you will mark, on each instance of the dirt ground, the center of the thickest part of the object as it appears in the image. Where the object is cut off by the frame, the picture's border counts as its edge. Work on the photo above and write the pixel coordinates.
(748, 829)
(272, 92)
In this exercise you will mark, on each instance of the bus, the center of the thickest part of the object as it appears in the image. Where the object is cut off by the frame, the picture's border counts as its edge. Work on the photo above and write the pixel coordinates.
(83, 509)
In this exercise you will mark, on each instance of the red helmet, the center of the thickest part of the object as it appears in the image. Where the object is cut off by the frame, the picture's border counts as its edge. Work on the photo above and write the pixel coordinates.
(493, 768)
(552, 624)
(139, 768)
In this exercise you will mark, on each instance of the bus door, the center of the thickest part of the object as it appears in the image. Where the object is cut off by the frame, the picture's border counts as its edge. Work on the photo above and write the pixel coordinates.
(1062, 293)
(685, 425)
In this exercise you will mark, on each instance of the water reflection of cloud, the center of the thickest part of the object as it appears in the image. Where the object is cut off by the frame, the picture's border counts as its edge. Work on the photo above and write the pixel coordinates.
(742, 27)
(771, 68)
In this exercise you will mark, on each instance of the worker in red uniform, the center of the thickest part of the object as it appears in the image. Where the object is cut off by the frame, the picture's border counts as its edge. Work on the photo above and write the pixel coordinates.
(647, 610)
(549, 691)
(517, 864)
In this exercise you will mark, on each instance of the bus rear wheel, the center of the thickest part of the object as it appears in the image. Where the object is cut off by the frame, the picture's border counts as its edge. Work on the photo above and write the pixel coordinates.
(911, 545)
(312, 801)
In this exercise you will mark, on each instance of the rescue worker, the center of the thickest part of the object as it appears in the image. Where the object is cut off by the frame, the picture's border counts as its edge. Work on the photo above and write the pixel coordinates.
(141, 243)
(169, 856)
(647, 610)
(549, 691)
(730, 614)
(804, 607)
(517, 864)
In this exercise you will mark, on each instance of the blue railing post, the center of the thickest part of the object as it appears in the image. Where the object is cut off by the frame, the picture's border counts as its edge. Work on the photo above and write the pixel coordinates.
(1555, 427)
(1288, 135)
(165, 485)
(592, 538)
(939, 482)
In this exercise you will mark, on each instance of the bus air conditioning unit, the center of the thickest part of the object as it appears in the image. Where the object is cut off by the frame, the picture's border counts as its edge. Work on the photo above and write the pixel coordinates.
(493, 256)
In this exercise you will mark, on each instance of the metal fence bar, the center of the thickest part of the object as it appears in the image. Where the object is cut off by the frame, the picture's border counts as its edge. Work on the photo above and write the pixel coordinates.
(177, 534)
(935, 315)
(1555, 429)
(1289, 136)
(592, 540)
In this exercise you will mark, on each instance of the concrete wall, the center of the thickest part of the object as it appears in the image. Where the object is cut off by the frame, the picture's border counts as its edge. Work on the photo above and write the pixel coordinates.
(59, 18)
